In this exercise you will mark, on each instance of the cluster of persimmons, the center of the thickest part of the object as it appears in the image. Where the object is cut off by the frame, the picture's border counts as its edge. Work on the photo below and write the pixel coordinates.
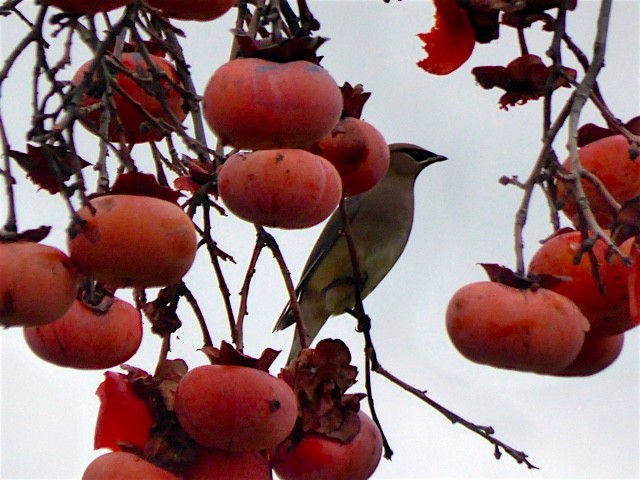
(294, 157)
(298, 154)
(568, 317)
(567, 314)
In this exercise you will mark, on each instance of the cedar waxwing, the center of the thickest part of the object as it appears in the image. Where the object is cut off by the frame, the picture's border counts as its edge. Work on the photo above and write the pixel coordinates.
(380, 220)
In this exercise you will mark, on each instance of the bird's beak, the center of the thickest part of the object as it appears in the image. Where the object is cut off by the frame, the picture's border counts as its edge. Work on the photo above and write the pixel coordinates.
(430, 159)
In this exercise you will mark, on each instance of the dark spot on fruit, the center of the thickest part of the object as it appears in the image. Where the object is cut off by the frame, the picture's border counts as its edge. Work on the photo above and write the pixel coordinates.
(274, 405)
(8, 304)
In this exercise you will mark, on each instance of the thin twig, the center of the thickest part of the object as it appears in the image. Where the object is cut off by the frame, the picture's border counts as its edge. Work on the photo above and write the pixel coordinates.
(10, 225)
(364, 323)
(485, 432)
(301, 329)
(193, 302)
(246, 284)
(579, 99)
(214, 255)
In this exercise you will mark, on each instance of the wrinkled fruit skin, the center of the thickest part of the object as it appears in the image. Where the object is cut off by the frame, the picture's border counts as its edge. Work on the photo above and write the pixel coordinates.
(133, 241)
(37, 284)
(213, 464)
(124, 466)
(83, 338)
(317, 457)
(608, 159)
(358, 151)
(287, 188)
(596, 354)
(124, 419)
(235, 408)
(201, 10)
(493, 324)
(608, 314)
(256, 104)
(136, 126)
(86, 6)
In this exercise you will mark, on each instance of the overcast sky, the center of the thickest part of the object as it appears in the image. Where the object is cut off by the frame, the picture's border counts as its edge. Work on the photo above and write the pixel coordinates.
(570, 427)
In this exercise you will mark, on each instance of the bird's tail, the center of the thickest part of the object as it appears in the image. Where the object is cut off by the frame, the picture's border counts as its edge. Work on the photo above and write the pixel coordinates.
(285, 320)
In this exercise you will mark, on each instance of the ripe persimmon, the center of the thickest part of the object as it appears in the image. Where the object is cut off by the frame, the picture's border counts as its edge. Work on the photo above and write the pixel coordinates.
(608, 310)
(235, 408)
(318, 457)
(37, 284)
(288, 188)
(597, 353)
(88, 338)
(133, 241)
(213, 464)
(85, 6)
(256, 104)
(610, 160)
(135, 124)
(201, 10)
(123, 465)
(358, 151)
(530, 330)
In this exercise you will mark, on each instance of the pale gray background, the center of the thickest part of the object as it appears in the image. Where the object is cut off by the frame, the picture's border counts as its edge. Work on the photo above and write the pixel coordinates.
(571, 427)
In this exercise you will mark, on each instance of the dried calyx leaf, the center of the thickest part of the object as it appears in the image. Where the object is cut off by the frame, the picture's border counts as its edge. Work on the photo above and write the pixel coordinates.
(142, 184)
(353, 99)
(319, 377)
(152, 46)
(484, 19)
(460, 24)
(627, 222)
(32, 235)
(591, 132)
(162, 312)
(161, 386)
(48, 166)
(525, 78)
(199, 175)
(97, 300)
(532, 281)
(524, 14)
(169, 446)
(281, 51)
(227, 354)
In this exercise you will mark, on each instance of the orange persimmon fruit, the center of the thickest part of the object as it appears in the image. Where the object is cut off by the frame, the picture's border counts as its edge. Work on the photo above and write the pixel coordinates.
(133, 241)
(133, 123)
(256, 104)
(38, 284)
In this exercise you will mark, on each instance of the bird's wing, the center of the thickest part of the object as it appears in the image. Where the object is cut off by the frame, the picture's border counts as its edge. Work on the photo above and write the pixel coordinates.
(328, 237)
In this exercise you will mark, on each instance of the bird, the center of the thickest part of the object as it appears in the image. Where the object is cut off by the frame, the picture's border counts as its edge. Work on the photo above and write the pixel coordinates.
(380, 222)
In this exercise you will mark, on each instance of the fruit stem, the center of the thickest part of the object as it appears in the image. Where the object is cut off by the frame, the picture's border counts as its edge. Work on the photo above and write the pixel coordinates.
(214, 254)
(10, 226)
(294, 306)
(244, 291)
(371, 359)
(165, 348)
(193, 303)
